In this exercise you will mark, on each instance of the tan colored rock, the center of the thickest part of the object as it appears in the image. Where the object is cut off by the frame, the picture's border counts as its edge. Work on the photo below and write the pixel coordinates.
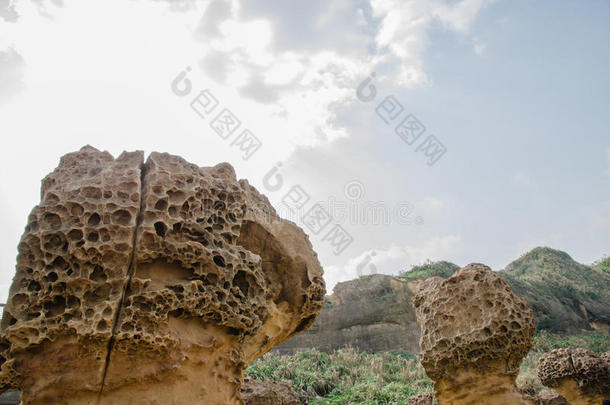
(72, 267)
(581, 376)
(474, 334)
(257, 392)
(426, 398)
(550, 397)
(151, 283)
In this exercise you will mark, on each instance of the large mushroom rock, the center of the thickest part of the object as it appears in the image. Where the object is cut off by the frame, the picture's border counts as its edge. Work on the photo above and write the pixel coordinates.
(581, 376)
(150, 283)
(474, 334)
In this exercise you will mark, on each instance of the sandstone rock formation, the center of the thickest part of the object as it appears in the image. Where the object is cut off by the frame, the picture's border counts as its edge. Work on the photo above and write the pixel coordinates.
(151, 283)
(581, 376)
(474, 334)
(550, 397)
(371, 314)
(268, 393)
(427, 398)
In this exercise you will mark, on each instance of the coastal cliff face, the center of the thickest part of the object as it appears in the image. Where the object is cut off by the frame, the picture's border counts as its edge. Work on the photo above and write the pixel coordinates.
(372, 313)
(375, 313)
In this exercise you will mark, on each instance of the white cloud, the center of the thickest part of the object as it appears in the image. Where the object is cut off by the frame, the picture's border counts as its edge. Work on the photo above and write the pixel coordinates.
(460, 15)
(392, 259)
(106, 78)
(11, 73)
(404, 26)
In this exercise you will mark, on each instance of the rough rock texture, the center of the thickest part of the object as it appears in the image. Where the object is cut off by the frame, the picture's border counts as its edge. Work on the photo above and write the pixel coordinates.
(72, 265)
(253, 393)
(152, 282)
(550, 397)
(372, 314)
(474, 334)
(257, 392)
(427, 398)
(581, 376)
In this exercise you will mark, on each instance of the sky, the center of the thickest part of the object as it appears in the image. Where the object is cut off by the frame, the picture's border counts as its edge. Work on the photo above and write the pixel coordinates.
(392, 131)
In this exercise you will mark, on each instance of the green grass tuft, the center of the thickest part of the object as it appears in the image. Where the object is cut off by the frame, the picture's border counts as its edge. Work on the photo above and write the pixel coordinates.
(430, 269)
(349, 376)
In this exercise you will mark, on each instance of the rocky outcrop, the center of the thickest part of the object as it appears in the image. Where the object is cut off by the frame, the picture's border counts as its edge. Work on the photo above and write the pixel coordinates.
(154, 282)
(581, 376)
(257, 392)
(10, 397)
(550, 397)
(474, 334)
(373, 313)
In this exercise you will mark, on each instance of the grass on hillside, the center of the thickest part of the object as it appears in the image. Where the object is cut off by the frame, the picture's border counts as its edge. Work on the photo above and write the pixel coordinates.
(386, 378)
(603, 264)
(430, 269)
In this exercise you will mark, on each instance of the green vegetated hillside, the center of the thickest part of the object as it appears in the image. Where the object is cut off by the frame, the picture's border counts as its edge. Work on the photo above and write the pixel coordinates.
(566, 296)
(603, 265)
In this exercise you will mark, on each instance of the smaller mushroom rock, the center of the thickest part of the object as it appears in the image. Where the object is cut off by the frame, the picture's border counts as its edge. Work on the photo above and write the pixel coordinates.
(581, 376)
(474, 334)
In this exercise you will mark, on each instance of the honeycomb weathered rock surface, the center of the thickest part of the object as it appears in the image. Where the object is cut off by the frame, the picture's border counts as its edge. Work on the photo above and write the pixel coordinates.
(474, 334)
(581, 376)
(72, 267)
(162, 278)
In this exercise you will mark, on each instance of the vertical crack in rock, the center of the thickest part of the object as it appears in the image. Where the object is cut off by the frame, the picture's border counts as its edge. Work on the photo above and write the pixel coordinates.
(71, 269)
(130, 272)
